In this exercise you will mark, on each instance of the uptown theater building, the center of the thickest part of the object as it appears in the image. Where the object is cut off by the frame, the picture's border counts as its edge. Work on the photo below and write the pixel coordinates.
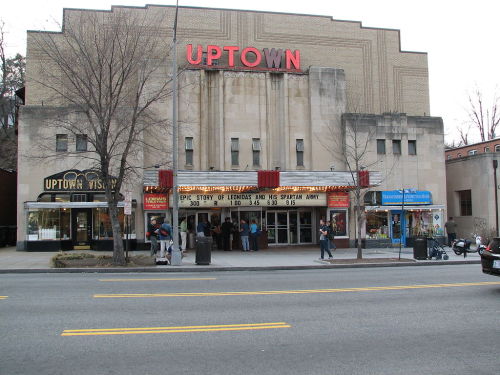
(265, 101)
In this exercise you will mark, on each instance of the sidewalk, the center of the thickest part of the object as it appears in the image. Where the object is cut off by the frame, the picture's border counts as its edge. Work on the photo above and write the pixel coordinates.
(289, 257)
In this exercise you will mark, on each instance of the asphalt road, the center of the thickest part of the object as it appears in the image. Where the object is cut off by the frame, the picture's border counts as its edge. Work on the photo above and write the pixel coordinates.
(409, 320)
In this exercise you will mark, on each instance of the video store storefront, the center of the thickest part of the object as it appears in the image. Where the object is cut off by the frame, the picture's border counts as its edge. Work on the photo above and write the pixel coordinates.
(395, 217)
(72, 213)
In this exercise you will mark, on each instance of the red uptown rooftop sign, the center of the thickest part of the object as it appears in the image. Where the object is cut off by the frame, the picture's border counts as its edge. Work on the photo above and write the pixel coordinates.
(250, 57)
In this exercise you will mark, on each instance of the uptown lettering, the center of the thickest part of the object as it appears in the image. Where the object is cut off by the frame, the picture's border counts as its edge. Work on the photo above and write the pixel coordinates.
(249, 57)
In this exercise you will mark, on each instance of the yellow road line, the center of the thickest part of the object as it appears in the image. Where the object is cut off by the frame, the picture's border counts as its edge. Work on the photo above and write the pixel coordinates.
(145, 330)
(4, 297)
(162, 279)
(304, 291)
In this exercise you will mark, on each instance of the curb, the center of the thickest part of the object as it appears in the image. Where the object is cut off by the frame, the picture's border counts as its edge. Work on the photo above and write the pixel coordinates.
(221, 269)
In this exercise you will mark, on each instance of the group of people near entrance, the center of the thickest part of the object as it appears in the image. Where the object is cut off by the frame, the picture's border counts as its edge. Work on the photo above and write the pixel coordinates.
(249, 233)
(161, 235)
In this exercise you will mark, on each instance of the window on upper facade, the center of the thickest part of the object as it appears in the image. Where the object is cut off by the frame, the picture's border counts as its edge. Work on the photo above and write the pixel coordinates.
(396, 147)
(256, 151)
(486, 149)
(412, 147)
(299, 148)
(235, 151)
(380, 146)
(465, 200)
(497, 148)
(81, 142)
(188, 145)
(448, 157)
(61, 142)
(459, 155)
(472, 152)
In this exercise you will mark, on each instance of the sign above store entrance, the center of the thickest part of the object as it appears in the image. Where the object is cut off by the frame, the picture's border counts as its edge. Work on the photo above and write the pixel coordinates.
(76, 180)
(250, 57)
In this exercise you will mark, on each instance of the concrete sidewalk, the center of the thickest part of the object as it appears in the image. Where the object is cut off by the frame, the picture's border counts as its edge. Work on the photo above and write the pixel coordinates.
(289, 257)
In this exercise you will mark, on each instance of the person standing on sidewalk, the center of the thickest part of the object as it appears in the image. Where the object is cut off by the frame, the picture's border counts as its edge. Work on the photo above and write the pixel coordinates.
(323, 240)
(183, 231)
(244, 232)
(254, 236)
(451, 229)
(226, 229)
(153, 236)
(165, 233)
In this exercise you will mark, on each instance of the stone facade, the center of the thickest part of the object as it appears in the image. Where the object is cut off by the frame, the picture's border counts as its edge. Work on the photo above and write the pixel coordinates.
(474, 174)
(344, 67)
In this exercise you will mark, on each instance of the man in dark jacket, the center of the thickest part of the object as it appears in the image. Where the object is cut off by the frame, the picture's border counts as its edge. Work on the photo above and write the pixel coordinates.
(153, 236)
(226, 228)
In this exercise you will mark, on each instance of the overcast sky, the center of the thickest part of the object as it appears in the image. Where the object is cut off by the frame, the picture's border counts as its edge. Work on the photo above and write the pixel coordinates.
(460, 37)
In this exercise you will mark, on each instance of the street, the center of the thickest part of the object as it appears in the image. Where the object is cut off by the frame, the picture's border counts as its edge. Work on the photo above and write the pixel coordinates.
(401, 320)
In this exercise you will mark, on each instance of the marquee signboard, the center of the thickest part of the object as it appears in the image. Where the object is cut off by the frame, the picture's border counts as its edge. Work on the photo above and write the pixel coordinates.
(252, 200)
(249, 57)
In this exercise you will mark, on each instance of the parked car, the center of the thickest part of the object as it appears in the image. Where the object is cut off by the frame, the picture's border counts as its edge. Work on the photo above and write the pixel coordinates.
(490, 258)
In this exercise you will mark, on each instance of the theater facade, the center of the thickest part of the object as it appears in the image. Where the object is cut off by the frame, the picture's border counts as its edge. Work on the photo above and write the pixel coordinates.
(267, 104)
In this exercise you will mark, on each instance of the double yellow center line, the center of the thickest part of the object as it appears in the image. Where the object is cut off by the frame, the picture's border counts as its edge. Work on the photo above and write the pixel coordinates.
(303, 291)
(145, 330)
(4, 297)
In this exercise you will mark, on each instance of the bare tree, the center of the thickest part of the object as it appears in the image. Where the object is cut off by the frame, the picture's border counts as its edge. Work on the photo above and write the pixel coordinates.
(12, 79)
(356, 140)
(482, 116)
(109, 73)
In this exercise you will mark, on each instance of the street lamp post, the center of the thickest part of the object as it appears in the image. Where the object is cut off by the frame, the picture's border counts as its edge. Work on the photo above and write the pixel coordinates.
(176, 259)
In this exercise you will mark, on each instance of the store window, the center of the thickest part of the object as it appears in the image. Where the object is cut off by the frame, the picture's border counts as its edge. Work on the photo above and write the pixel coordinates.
(338, 221)
(235, 151)
(102, 229)
(380, 146)
(377, 225)
(299, 147)
(49, 224)
(465, 200)
(256, 151)
(61, 142)
(396, 147)
(412, 147)
(81, 142)
(188, 143)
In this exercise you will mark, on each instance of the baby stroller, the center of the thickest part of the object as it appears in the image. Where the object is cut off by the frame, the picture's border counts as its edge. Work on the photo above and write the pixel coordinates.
(436, 250)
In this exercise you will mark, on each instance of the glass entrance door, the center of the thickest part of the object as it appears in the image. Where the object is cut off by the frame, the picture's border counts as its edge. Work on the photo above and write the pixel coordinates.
(289, 227)
(81, 228)
(277, 227)
(397, 223)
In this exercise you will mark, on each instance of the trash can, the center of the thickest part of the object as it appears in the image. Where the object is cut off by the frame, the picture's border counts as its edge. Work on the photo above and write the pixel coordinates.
(203, 250)
(420, 248)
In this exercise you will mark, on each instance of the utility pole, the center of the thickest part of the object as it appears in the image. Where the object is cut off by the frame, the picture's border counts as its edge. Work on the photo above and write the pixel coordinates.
(176, 259)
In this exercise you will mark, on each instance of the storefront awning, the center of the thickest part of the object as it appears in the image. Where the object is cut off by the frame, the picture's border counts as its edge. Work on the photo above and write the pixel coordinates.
(69, 204)
(406, 207)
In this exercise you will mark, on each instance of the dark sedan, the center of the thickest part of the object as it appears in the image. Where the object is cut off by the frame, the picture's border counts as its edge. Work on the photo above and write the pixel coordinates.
(490, 258)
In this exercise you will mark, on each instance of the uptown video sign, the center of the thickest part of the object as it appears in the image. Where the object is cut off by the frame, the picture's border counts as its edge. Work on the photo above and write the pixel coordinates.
(249, 57)
(75, 180)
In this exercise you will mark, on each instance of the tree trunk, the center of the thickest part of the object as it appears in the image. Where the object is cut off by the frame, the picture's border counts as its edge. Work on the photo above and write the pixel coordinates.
(118, 253)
